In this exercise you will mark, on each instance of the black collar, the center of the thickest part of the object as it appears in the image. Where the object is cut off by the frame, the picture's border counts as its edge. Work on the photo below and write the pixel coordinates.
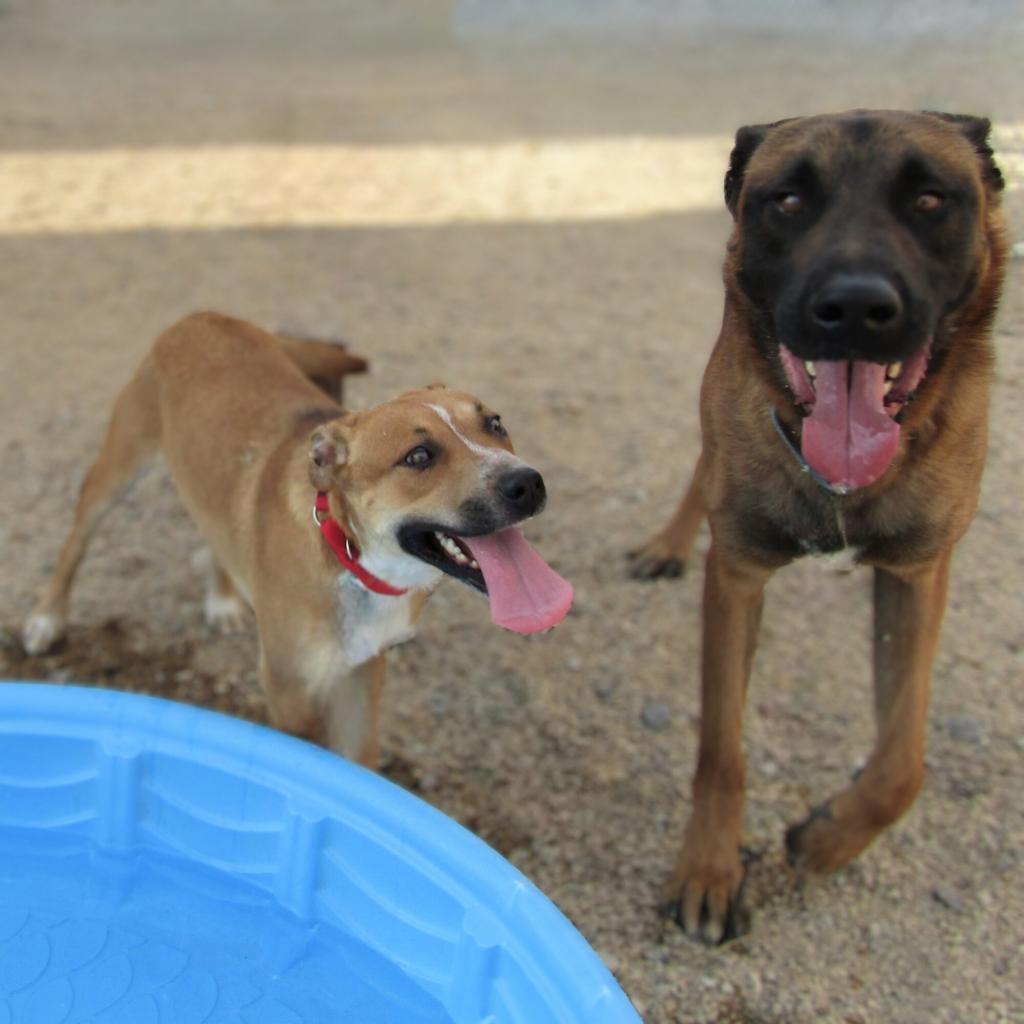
(805, 466)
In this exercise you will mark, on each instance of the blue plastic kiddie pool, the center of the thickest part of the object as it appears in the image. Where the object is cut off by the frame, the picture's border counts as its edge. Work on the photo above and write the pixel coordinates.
(160, 864)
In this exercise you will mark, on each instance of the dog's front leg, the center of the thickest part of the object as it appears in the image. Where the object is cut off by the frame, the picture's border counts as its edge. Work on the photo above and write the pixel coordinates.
(703, 893)
(908, 614)
(353, 713)
(372, 681)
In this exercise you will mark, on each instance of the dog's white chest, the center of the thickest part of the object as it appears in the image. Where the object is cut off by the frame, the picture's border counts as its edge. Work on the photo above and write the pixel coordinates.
(844, 560)
(370, 623)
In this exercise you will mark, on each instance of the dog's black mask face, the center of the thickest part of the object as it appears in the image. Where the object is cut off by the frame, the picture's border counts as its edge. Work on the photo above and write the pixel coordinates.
(859, 233)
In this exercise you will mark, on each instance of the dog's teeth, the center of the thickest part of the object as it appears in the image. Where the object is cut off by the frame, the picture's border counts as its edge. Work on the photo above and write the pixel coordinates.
(473, 564)
(894, 370)
(888, 387)
(809, 367)
(452, 549)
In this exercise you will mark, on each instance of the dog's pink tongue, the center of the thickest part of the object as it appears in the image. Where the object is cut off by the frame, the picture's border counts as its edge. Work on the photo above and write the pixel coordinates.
(526, 594)
(848, 436)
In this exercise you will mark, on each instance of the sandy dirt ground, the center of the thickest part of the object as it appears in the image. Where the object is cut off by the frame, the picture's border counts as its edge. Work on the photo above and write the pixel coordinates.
(570, 753)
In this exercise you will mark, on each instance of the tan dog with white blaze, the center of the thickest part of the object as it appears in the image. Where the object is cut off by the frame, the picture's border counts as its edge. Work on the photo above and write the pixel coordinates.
(336, 539)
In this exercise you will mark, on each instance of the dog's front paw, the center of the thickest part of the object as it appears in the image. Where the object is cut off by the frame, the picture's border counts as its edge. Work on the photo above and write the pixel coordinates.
(224, 614)
(42, 631)
(826, 840)
(819, 844)
(655, 560)
(704, 897)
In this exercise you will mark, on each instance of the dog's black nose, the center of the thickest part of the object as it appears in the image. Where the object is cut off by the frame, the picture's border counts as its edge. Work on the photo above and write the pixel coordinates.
(523, 489)
(861, 311)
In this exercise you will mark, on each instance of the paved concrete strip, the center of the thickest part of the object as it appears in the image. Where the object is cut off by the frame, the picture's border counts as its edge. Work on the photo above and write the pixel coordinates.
(1008, 143)
(345, 185)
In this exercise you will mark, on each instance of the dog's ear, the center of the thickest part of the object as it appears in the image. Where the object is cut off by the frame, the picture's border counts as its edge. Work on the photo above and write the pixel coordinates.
(328, 452)
(976, 130)
(747, 140)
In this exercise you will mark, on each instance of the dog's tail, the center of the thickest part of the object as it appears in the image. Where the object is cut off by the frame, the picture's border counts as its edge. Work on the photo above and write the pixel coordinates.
(324, 362)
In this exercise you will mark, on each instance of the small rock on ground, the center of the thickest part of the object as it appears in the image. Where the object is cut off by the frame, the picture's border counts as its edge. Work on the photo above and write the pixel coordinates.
(964, 728)
(656, 715)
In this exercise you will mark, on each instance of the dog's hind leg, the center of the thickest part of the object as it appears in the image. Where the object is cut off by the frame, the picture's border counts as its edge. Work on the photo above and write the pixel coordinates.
(133, 435)
(908, 614)
(667, 552)
(326, 363)
(224, 609)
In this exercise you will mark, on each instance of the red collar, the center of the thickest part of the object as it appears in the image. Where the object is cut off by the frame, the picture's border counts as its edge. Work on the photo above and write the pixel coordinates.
(347, 552)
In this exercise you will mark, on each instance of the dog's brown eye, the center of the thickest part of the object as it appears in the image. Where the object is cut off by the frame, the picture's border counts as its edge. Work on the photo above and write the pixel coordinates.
(928, 202)
(419, 457)
(496, 427)
(789, 203)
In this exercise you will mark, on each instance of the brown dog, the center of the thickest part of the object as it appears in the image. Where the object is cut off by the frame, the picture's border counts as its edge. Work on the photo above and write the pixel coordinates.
(844, 408)
(332, 526)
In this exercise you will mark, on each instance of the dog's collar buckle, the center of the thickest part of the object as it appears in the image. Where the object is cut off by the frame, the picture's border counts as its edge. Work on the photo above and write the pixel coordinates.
(347, 553)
